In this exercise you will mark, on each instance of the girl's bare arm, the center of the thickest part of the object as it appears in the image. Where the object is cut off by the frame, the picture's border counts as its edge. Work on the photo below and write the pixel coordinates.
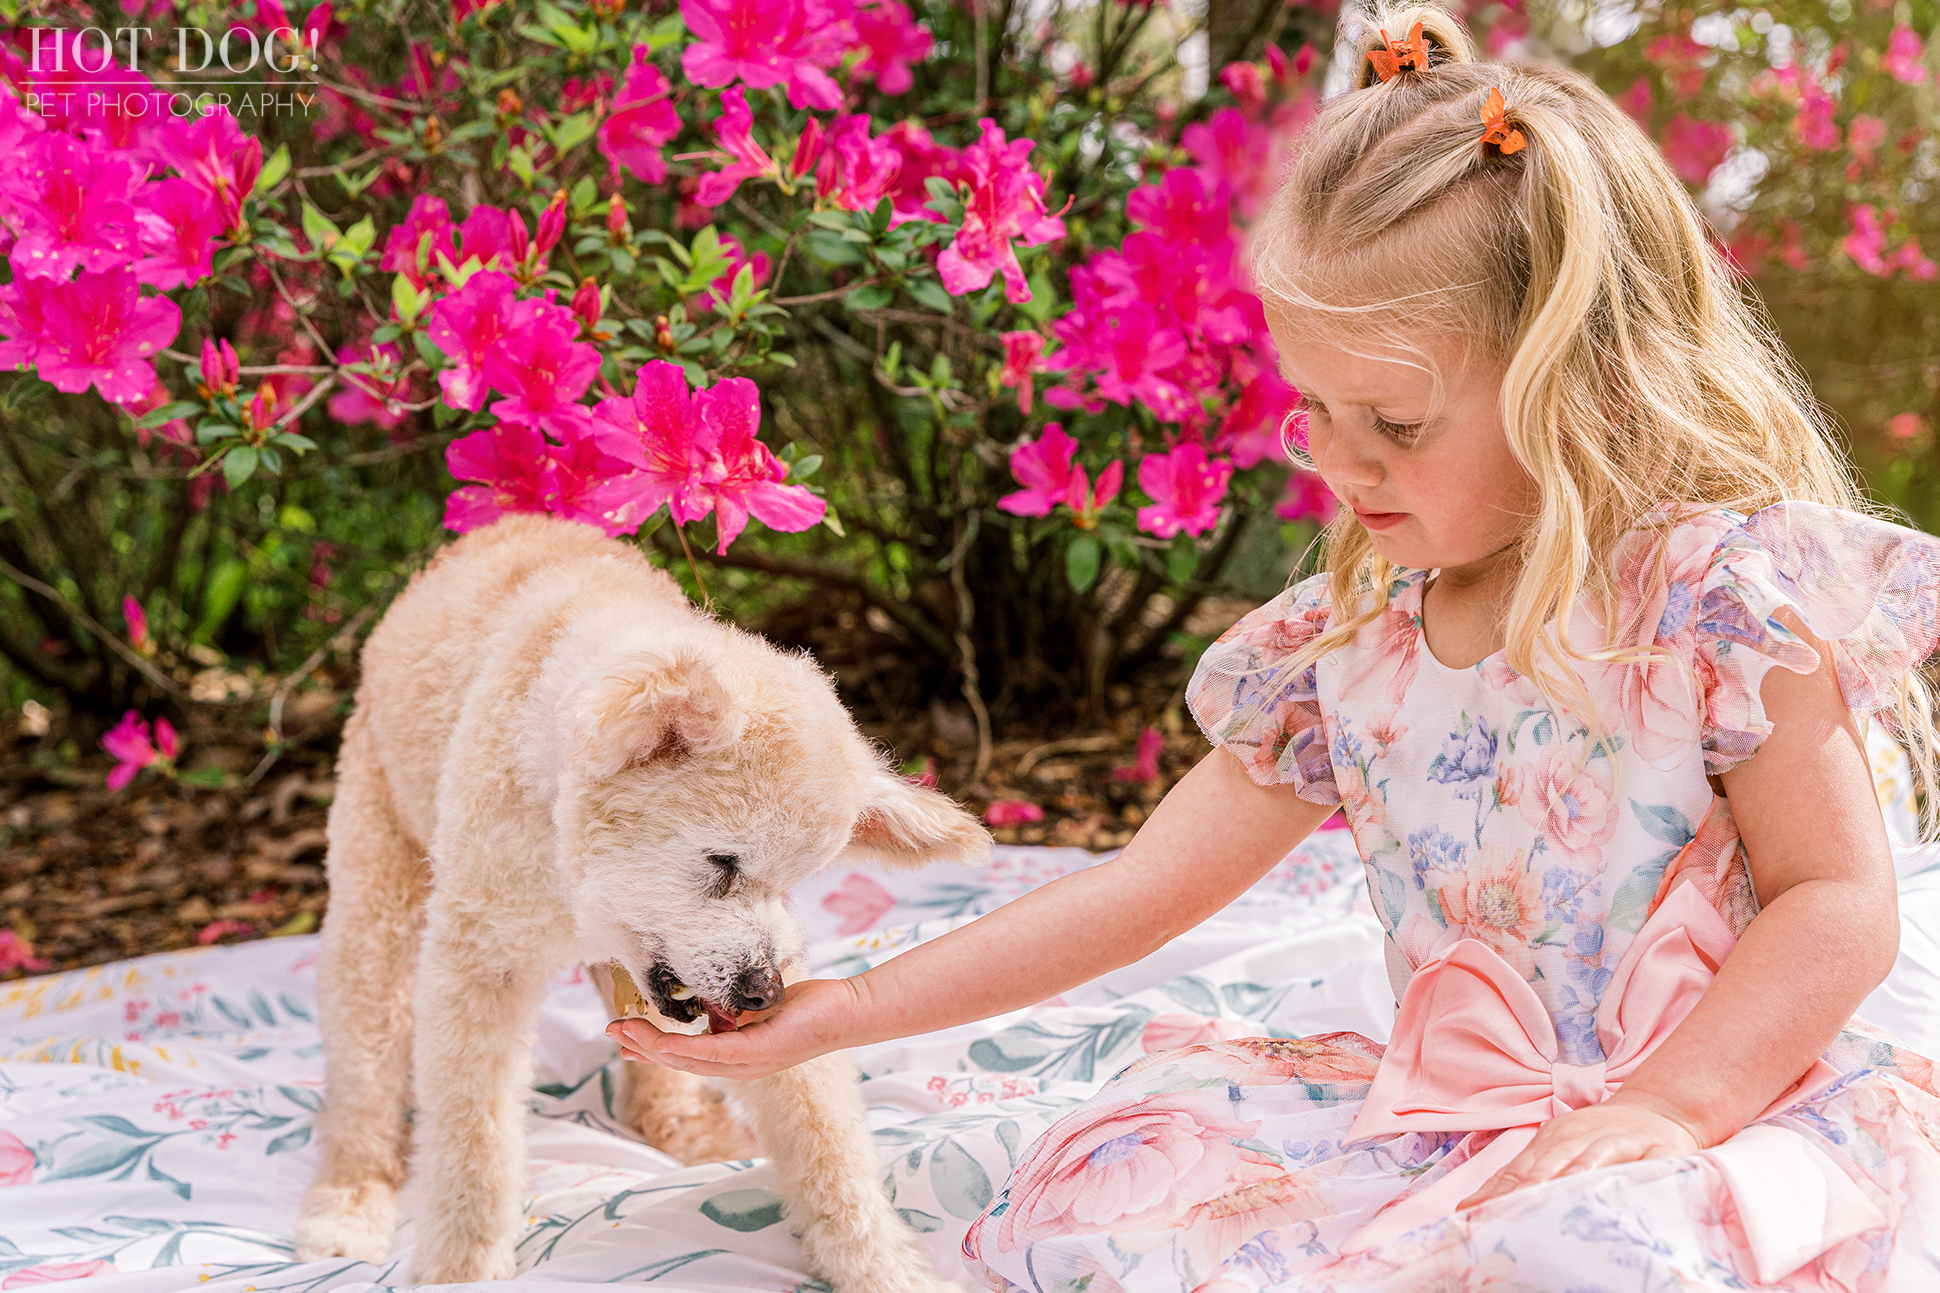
(1212, 837)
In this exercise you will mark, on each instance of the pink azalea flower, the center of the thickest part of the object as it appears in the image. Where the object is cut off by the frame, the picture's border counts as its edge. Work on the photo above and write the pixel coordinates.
(1307, 496)
(1905, 426)
(923, 159)
(179, 226)
(73, 205)
(768, 42)
(1866, 244)
(1043, 468)
(428, 216)
(1247, 84)
(1910, 258)
(1134, 352)
(860, 902)
(1185, 488)
(1144, 766)
(586, 483)
(1682, 60)
(511, 461)
(1251, 430)
(808, 148)
(1903, 59)
(1864, 135)
(1012, 812)
(22, 304)
(1006, 202)
(213, 154)
(137, 621)
(487, 237)
(1694, 148)
(737, 257)
(743, 475)
(1815, 125)
(16, 1160)
(219, 929)
(891, 41)
(1184, 207)
(1237, 154)
(129, 743)
(734, 132)
(656, 431)
(542, 368)
(100, 331)
(93, 104)
(642, 119)
(465, 325)
(1636, 101)
(857, 172)
(1023, 356)
(1085, 500)
(366, 397)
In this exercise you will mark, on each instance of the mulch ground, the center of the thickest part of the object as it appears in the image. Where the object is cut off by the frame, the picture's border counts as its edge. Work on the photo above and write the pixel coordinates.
(88, 875)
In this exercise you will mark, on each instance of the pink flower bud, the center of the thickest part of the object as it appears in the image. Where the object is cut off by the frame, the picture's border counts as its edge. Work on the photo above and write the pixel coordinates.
(617, 227)
(517, 236)
(165, 741)
(552, 223)
(807, 149)
(220, 368)
(137, 619)
(586, 304)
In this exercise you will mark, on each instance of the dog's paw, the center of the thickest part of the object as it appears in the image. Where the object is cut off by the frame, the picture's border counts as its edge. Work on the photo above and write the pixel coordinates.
(870, 1260)
(437, 1262)
(347, 1221)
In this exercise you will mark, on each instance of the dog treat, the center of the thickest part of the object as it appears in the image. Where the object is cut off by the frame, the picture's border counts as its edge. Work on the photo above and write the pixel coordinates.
(622, 995)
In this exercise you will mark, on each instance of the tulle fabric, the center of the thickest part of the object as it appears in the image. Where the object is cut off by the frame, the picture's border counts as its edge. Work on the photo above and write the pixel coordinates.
(1248, 697)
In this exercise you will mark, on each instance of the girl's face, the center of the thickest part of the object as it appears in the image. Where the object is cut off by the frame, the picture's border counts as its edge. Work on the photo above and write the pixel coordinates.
(1434, 483)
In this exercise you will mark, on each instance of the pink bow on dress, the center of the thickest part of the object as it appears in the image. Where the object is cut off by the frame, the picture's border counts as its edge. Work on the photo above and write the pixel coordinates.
(1474, 1050)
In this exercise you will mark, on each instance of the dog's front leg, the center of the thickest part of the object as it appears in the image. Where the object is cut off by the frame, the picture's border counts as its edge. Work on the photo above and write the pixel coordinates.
(480, 984)
(809, 1120)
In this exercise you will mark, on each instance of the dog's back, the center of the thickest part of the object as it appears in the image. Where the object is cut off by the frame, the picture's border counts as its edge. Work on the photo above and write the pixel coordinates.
(496, 589)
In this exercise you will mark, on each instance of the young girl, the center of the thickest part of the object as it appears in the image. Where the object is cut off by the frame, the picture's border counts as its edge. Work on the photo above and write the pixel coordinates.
(1584, 673)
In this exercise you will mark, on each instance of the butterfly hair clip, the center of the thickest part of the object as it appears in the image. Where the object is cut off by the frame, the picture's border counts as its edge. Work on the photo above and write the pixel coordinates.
(1496, 128)
(1395, 55)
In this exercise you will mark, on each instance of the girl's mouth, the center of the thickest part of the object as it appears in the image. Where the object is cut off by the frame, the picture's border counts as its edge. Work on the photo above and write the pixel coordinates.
(1379, 520)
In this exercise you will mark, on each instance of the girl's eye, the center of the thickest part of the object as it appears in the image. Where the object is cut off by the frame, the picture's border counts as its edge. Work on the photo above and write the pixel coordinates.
(1312, 406)
(1400, 432)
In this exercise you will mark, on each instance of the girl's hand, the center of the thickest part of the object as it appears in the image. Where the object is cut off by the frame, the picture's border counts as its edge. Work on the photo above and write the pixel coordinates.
(1620, 1130)
(816, 1016)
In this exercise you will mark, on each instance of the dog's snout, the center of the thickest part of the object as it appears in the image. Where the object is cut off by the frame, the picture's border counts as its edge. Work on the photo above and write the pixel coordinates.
(758, 988)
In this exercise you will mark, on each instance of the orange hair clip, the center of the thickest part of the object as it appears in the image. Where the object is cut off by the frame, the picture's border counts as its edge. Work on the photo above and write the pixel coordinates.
(1389, 60)
(1495, 127)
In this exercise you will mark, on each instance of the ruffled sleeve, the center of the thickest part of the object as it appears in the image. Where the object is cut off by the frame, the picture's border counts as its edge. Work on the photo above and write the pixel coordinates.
(1248, 698)
(1869, 588)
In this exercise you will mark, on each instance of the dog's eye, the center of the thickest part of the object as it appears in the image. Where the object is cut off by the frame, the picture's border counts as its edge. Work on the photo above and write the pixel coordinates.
(726, 866)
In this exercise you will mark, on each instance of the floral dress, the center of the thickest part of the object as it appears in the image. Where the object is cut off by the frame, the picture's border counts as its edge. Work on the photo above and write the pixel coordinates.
(1555, 901)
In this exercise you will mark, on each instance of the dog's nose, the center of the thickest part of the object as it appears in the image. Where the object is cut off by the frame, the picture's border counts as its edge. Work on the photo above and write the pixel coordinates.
(758, 988)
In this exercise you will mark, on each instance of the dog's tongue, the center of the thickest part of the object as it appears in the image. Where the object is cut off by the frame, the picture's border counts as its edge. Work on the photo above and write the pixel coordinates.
(718, 1020)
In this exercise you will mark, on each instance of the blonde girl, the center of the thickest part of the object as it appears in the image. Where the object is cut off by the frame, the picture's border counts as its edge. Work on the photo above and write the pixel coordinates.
(1585, 673)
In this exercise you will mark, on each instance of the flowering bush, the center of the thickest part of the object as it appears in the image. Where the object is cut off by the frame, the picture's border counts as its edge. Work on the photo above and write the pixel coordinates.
(980, 280)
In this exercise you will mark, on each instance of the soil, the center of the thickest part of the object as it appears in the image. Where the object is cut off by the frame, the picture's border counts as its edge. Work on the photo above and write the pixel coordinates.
(88, 875)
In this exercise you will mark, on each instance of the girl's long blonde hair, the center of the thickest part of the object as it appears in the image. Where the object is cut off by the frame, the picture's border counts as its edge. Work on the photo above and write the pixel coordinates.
(1637, 372)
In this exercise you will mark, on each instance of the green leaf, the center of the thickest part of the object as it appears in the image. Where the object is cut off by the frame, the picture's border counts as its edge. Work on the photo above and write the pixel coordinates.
(224, 591)
(1044, 298)
(274, 169)
(584, 194)
(930, 292)
(239, 466)
(803, 468)
(870, 296)
(320, 229)
(212, 778)
(428, 351)
(1181, 561)
(1081, 562)
(168, 413)
(892, 360)
(406, 299)
(521, 163)
(572, 132)
(292, 441)
(360, 236)
(836, 220)
(214, 429)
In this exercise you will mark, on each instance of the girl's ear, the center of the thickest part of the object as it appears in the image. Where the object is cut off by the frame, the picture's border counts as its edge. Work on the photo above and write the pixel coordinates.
(906, 825)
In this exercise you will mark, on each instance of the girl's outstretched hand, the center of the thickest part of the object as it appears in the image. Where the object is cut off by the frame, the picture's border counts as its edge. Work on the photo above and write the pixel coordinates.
(1623, 1129)
(816, 1016)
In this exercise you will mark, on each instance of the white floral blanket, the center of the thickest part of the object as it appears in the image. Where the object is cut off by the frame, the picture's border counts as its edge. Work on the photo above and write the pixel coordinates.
(155, 1114)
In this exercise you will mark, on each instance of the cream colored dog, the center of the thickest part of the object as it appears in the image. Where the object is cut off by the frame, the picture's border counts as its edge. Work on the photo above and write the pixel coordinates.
(555, 758)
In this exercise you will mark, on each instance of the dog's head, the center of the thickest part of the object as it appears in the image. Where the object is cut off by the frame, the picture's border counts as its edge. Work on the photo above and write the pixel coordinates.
(699, 788)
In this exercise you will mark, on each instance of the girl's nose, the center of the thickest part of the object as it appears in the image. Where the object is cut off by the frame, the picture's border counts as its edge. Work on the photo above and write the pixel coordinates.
(1339, 459)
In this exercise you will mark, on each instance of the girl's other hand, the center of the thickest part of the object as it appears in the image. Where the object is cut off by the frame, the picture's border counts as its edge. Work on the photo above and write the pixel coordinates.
(816, 1016)
(1620, 1130)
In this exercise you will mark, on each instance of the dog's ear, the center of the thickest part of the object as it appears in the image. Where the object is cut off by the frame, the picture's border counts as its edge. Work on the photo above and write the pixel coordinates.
(653, 710)
(904, 825)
